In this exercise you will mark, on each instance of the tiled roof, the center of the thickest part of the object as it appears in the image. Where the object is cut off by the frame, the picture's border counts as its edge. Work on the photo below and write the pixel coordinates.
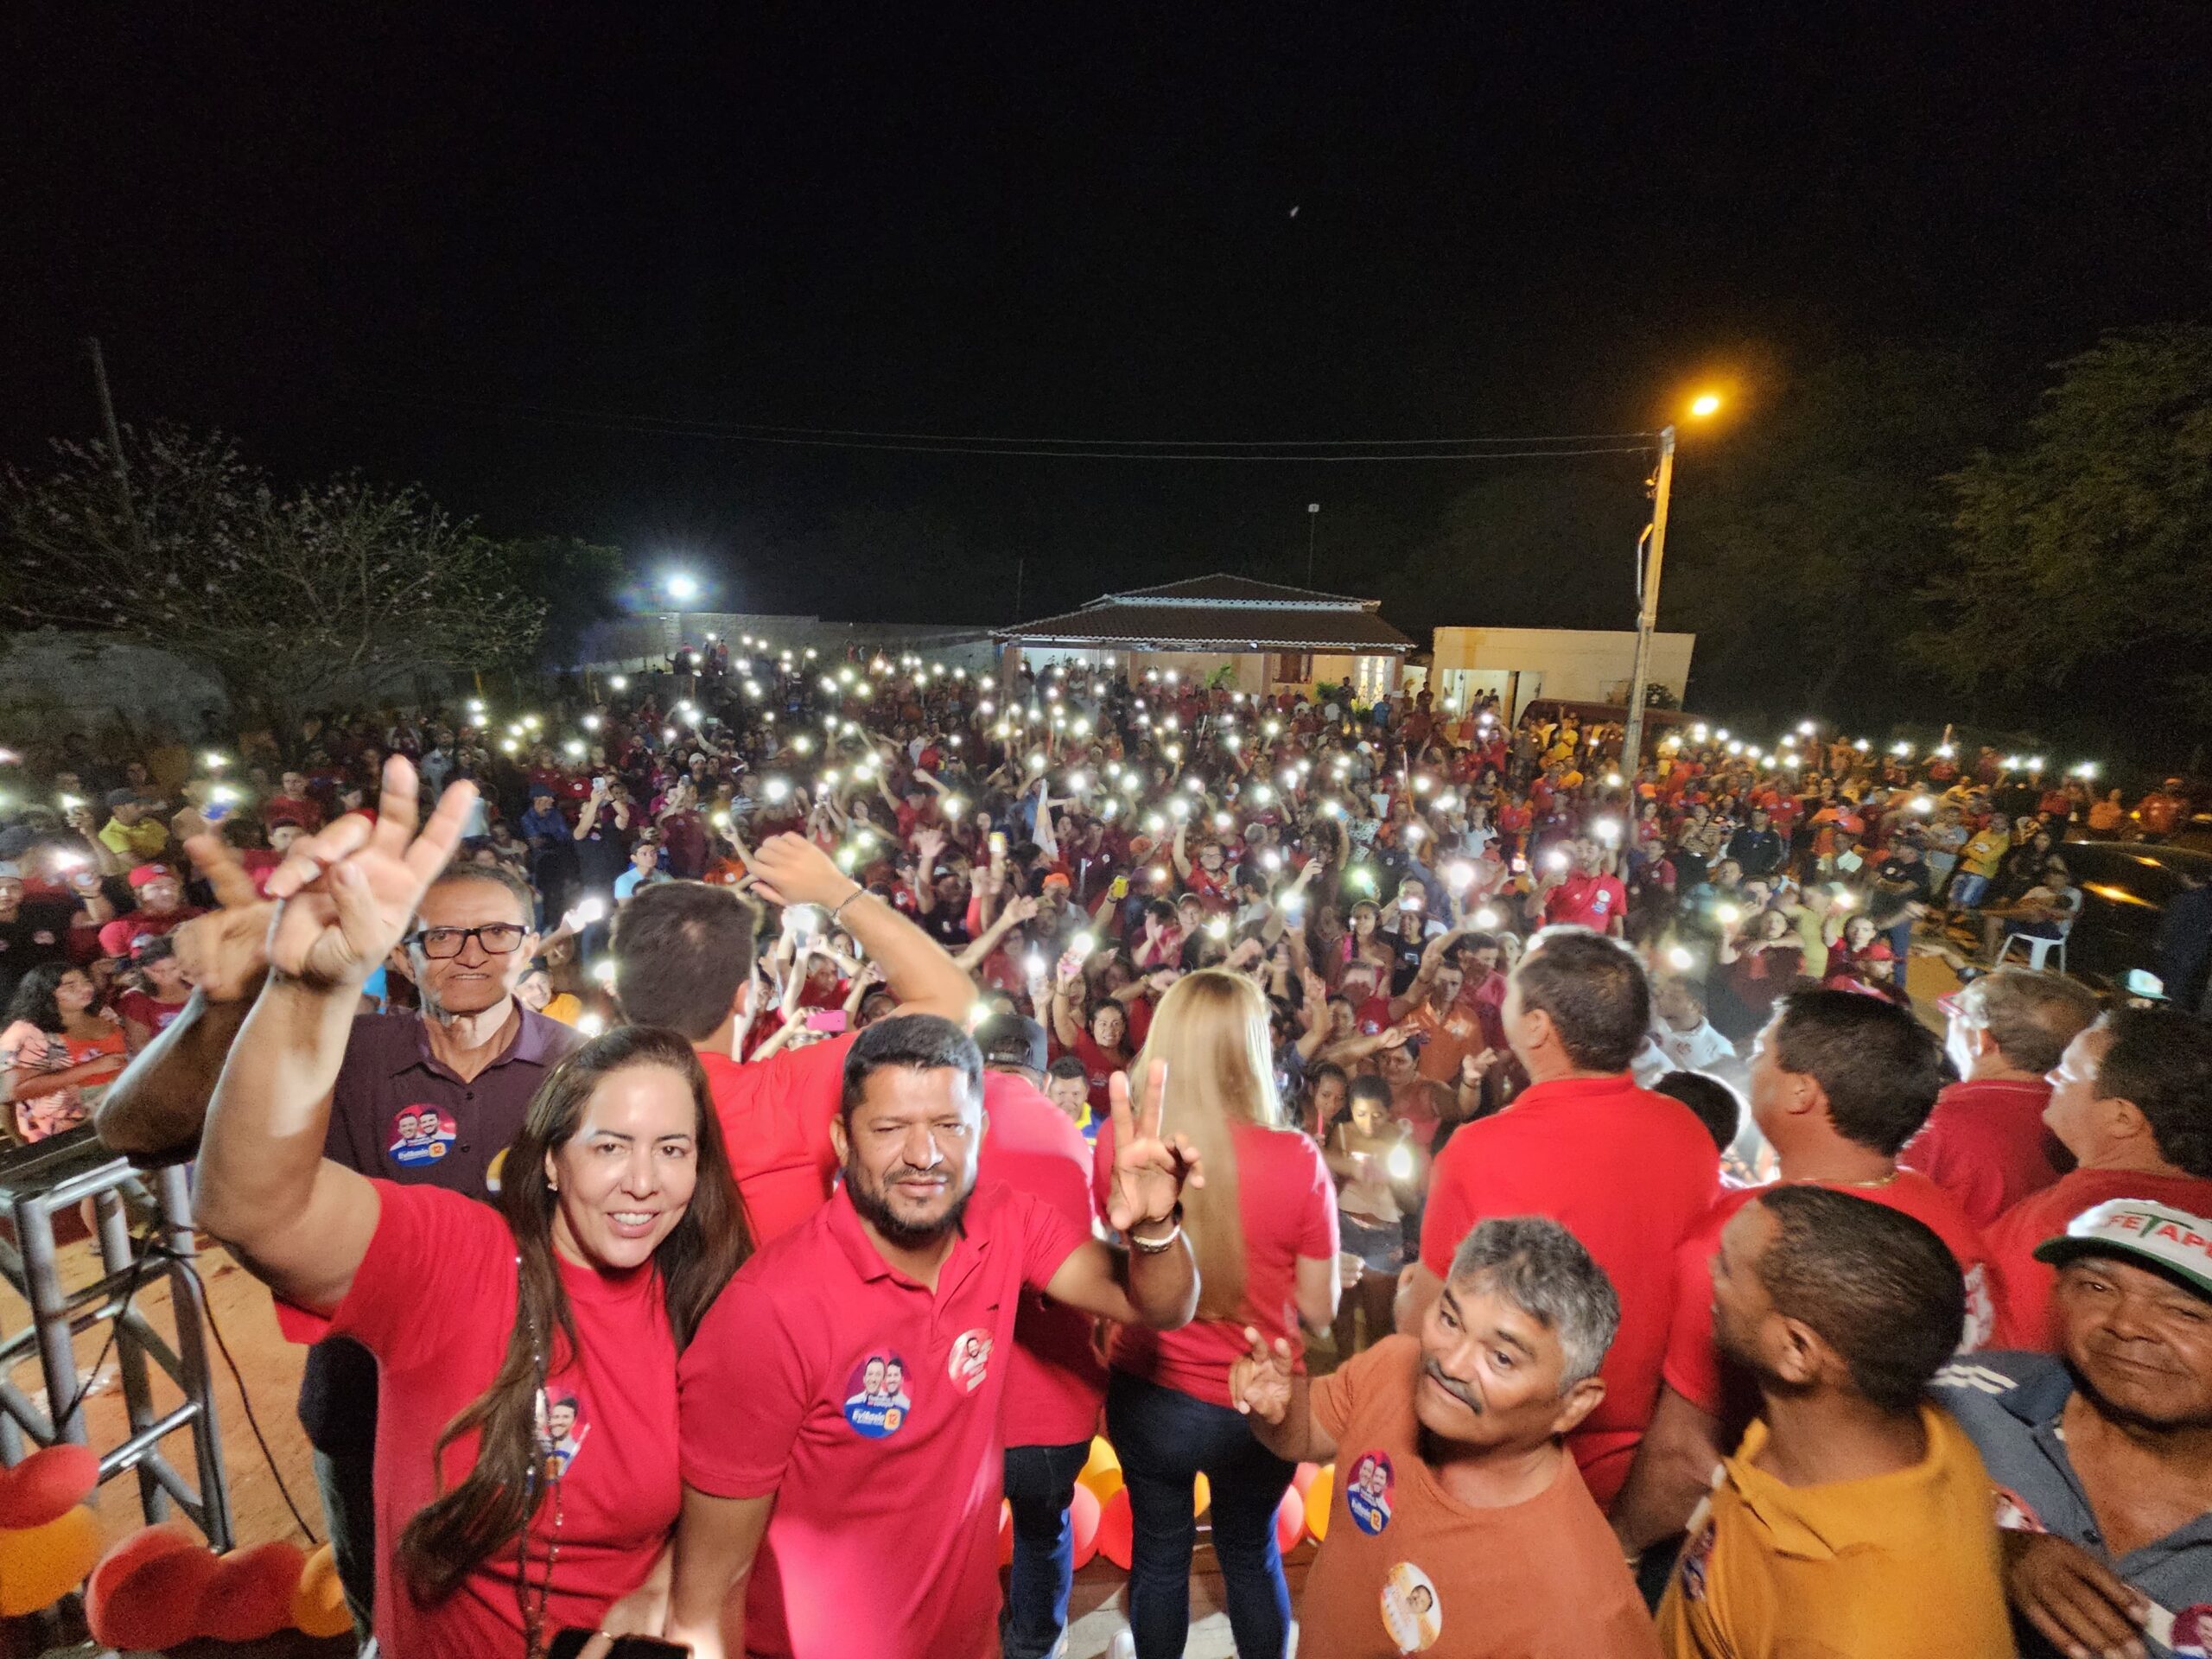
(1218, 612)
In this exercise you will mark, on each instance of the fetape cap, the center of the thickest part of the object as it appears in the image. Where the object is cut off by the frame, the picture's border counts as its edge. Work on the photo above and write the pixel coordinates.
(2156, 1233)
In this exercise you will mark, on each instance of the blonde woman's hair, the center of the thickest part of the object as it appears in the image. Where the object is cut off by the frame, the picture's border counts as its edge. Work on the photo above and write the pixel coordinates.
(1212, 1029)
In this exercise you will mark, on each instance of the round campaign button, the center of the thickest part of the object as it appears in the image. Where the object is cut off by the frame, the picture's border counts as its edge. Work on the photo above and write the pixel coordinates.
(969, 1362)
(876, 1401)
(1411, 1612)
(422, 1134)
(1369, 1490)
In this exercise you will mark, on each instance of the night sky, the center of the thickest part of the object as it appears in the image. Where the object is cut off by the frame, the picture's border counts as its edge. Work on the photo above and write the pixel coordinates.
(499, 256)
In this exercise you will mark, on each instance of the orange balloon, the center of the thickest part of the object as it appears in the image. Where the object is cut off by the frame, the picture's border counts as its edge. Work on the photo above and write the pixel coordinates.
(1201, 1494)
(250, 1597)
(145, 1592)
(1006, 1533)
(319, 1602)
(1101, 1475)
(1084, 1512)
(1290, 1522)
(1318, 1497)
(1116, 1530)
(39, 1565)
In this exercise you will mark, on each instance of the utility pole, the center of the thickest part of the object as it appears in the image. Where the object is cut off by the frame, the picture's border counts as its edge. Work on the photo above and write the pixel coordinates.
(136, 531)
(1312, 518)
(1647, 617)
(1020, 570)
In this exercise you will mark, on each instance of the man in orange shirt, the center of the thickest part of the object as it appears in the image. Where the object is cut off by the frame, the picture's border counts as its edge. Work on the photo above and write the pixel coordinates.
(682, 955)
(1459, 1525)
(1432, 1005)
(2131, 1100)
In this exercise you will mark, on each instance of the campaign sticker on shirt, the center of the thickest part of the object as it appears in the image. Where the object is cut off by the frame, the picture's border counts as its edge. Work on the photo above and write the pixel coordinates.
(1367, 1494)
(969, 1362)
(2189, 1634)
(1411, 1612)
(876, 1401)
(2014, 1514)
(422, 1134)
(1696, 1563)
(561, 1430)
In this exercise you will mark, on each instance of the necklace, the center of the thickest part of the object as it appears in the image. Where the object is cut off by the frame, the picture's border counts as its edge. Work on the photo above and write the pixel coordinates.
(546, 1469)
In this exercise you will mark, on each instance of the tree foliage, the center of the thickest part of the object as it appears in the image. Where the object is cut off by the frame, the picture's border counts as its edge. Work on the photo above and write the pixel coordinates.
(2083, 555)
(337, 591)
(577, 583)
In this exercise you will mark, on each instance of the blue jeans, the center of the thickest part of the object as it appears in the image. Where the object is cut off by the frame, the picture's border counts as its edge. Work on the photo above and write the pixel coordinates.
(1900, 938)
(1167, 1440)
(1039, 1485)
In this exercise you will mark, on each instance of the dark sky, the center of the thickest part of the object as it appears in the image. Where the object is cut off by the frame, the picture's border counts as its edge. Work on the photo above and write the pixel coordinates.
(383, 243)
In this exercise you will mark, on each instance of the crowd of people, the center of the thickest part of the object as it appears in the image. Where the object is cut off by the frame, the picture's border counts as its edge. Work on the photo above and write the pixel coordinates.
(769, 1113)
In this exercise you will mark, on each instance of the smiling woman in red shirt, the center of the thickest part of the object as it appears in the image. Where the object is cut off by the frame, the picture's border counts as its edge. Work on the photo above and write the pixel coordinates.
(526, 1477)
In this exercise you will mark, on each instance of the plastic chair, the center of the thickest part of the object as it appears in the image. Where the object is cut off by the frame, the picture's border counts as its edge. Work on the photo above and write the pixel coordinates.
(2038, 947)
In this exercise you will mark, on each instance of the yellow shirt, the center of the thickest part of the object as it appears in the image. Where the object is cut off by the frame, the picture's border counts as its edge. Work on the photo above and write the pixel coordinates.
(148, 838)
(1902, 1565)
(566, 1006)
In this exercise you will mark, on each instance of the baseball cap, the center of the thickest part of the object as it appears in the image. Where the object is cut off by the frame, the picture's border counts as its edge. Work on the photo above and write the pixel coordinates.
(2164, 1237)
(122, 797)
(1056, 879)
(146, 872)
(10, 870)
(1010, 1039)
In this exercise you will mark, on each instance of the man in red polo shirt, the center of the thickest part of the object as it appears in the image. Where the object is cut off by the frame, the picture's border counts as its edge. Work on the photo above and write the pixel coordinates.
(840, 1404)
(1839, 1082)
(684, 954)
(1986, 1143)
(160, 907)
(2131, 1100)
(1587, 896)
(1056, 1386)
(1627, 1171)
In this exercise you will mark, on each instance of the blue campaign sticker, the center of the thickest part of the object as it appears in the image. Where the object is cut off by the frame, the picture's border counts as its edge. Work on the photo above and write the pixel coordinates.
(1367, 1493)
(876, 1401)
(422, 1134)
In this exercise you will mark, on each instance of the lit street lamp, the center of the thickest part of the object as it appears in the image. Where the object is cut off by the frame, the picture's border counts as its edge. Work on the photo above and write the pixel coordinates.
(683, 588)
(1647, 620)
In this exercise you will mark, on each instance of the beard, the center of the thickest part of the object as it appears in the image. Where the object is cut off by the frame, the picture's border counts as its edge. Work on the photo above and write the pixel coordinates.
(873, 1203)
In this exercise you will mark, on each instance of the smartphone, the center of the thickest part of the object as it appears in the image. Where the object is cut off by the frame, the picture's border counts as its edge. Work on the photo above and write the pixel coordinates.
(803, 922)
(998, 844)
(1120, 889)
(829, 1020)
(568, 1644)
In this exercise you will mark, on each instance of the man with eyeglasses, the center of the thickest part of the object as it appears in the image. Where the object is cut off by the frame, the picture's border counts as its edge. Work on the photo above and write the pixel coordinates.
(472, 1057)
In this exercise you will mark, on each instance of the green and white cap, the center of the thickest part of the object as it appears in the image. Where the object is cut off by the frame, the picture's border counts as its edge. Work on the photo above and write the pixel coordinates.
(2156, 1233)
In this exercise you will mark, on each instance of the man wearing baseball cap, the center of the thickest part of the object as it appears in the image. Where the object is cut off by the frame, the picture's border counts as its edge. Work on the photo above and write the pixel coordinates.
(1055, 1386)
(2101, 1453)
(160, 907)
(132, 831)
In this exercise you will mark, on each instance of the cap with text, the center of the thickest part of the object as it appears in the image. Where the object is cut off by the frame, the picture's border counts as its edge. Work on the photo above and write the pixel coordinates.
(2157, 1234)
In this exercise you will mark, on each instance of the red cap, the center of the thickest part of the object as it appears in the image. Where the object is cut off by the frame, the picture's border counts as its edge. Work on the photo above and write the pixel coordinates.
(146, 872)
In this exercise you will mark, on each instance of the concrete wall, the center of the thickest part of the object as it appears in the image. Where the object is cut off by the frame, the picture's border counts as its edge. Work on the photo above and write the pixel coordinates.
(1255, 670)
(632, 642)
(1573, 665)
(51, 683)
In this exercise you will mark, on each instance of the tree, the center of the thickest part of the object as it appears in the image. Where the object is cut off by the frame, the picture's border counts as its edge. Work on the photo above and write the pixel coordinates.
(577, 583)
(2082, 560)
(1800, 541)
(339, 591)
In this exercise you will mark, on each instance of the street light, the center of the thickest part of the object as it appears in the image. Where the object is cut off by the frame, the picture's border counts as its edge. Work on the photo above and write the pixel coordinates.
(682, 587)
(1647, 621)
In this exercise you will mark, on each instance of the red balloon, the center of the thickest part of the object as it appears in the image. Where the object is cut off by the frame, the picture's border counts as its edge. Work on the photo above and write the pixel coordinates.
(1290, 1521)
(1084, 1511)
(1116, 1530)
(1006, 1533)
(1304, 1478)
(47, 1485)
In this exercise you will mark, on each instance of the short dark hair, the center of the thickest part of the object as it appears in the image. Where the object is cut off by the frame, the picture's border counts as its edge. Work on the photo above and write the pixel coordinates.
(1368, 1086)
(1595, 992)
(496, 875)
(681, 950)
(1880, 1287)
(1718, 1106)
(1067, 1066)
(2161, 1059)
(1879, 1067)
(917, 1042)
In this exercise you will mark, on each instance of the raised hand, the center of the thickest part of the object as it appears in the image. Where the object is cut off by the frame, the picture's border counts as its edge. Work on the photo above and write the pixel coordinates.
(1474, 1068)
(792, 870)
(346, 895)
(225, 953)
(1259, 1381)
(1149, 1172)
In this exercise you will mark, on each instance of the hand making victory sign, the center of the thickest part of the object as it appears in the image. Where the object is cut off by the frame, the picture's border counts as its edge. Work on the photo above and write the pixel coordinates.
(1149, 1172)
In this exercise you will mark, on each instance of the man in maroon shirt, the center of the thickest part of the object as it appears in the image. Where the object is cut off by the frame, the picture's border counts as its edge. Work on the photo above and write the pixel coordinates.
(1986, 1143)
(1587, 896)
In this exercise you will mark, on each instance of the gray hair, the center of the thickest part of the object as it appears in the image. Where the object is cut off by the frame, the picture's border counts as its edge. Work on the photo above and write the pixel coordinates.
(1542, 1269)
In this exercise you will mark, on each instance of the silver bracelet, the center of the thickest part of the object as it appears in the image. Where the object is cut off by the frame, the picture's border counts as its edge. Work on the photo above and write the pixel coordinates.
(857, 891)
(1152, 1247)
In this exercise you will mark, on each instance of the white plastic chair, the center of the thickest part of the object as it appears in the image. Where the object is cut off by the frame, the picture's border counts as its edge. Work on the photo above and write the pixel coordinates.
(2038, 947)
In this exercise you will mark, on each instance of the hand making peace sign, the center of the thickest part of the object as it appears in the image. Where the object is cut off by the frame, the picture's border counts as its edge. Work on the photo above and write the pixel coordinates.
(1149, 1173)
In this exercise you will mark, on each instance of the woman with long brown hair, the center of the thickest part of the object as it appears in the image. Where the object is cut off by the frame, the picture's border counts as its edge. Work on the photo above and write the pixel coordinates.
(1264, 1228)
(526, 1477)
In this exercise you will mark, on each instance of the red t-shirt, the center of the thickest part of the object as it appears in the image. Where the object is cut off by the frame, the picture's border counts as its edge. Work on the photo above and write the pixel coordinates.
(1055, 1385)
(435, 1301)
(1694, 1369)
(871, 1408)
(775, 1118)
(119, 936)
(2023, 1319)
(1591, 901)
(1985, 1144)
(1287, 1206)
(1099, 1067)
(1630, 1173)
(148, 1011)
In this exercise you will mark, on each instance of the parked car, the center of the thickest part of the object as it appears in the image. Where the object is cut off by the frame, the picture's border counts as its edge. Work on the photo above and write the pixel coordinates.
(2126, 887)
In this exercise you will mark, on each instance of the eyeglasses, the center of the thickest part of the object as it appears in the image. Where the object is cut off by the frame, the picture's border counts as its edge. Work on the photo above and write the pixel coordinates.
(439, 943)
